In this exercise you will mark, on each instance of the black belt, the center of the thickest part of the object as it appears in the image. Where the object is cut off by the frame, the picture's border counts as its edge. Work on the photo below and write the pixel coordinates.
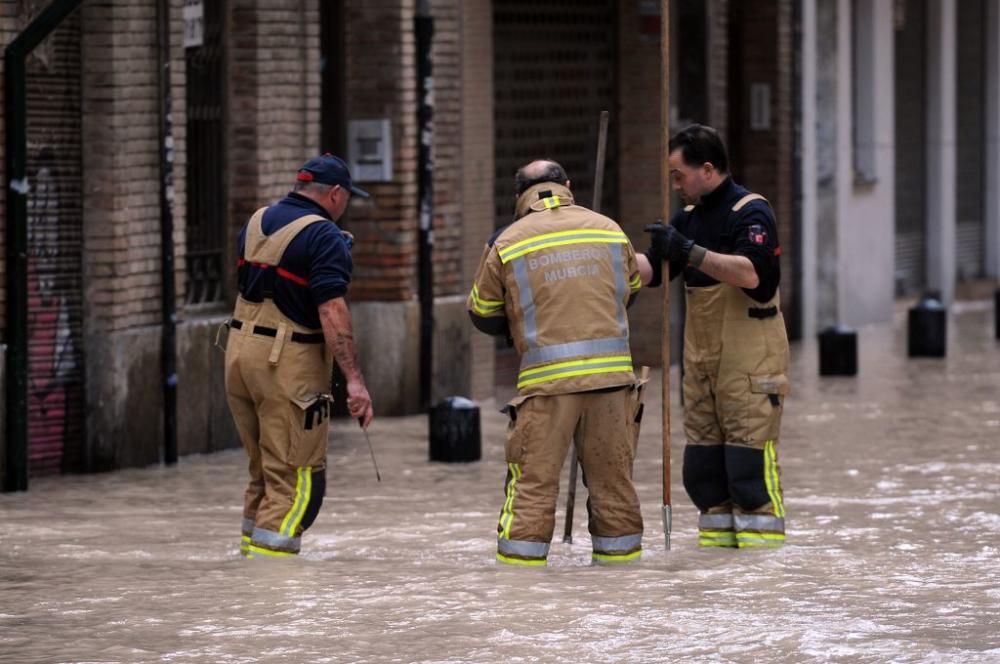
(767, 312)
(298, 337)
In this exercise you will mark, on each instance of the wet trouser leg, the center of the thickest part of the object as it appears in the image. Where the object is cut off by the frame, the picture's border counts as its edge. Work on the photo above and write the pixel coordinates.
(606, 447)
(538, 437)
(750, 410)
(704, 469)
(537, 440)
(284, 435)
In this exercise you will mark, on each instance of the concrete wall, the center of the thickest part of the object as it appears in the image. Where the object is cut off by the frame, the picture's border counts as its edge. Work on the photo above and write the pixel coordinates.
(204, 423)
(865, 210)
(3, 411)
(991, 205)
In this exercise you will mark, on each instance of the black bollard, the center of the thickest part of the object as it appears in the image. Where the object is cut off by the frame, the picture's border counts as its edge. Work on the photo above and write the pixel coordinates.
(996, 314)
(928, 327)
(454, 431)
(838, 351)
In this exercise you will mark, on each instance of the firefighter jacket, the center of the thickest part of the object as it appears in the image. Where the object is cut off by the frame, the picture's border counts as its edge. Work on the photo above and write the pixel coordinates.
(560, 277)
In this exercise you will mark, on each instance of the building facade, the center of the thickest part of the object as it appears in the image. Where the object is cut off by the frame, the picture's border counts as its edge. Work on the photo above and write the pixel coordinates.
(872, 127)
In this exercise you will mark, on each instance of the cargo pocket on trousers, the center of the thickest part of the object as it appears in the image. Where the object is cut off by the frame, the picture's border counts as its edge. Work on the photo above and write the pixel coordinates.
(766, 403)
(514, 446)
(310, 422)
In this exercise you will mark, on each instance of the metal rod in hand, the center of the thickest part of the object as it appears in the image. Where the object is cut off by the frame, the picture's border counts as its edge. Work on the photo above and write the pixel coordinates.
(602, 144)
(665, 202)
(371, 450)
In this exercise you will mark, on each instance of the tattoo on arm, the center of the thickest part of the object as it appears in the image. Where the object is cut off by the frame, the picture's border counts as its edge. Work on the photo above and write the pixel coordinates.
(337, 330)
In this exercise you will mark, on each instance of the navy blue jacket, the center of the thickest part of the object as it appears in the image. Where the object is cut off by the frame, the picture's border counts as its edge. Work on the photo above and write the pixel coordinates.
(751, 232)
(315, 268)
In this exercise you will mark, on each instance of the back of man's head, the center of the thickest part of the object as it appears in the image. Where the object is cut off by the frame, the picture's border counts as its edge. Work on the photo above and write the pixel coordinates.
(538, 171)
(700, 144)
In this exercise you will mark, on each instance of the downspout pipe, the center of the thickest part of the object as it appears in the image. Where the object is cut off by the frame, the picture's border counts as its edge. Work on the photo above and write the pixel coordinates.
(168, 304)
(15, 476)
(423, 27)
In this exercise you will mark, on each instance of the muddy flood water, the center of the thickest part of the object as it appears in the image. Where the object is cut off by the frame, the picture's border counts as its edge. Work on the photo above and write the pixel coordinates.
(892, 486)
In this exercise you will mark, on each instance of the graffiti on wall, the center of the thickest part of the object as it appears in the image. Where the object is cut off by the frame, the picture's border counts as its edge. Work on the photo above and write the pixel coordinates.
(52, 351)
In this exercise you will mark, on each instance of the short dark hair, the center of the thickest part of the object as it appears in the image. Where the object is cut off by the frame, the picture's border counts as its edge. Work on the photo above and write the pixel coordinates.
(553, 172)
(700, 144)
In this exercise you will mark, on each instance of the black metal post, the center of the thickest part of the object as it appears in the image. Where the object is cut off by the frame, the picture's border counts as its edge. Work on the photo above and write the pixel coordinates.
(168, 343)
(17, 187)
(423, 26)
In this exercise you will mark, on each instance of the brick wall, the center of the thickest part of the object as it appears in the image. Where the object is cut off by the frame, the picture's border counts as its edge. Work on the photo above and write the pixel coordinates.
(381, 83)
(273, 103)
(767, 154)
(120, 166)
(639, 138)
(8, 30)
(477, 166)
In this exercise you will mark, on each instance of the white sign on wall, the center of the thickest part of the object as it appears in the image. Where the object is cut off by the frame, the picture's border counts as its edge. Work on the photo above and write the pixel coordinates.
(194, 23)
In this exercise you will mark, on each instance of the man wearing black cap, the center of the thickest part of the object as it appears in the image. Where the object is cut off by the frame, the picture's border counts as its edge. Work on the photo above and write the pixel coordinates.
(291, 321)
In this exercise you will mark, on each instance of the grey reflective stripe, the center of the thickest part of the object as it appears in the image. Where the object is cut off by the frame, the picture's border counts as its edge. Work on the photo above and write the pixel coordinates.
(247, 526)
(527, 302)
(272, 540)
(761, 523)
(621, 286)
(522, 548)
(623, 544)
(716, 521)
(587, 348)
(624, 365)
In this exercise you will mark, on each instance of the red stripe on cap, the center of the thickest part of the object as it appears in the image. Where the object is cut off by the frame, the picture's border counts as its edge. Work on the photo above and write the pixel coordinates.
(304, 176)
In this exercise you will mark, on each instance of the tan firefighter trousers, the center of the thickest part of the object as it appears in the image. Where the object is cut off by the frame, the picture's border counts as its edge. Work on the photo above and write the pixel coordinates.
(539, 434)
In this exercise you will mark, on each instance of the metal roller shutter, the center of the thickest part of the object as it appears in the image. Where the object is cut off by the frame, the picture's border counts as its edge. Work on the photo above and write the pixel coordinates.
(910, 149)
(55, 246)
(554, 72)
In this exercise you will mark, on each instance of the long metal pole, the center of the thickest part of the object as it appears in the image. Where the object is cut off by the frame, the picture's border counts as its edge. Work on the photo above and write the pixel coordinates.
(602, 144)
(665, 203)
(17, 186)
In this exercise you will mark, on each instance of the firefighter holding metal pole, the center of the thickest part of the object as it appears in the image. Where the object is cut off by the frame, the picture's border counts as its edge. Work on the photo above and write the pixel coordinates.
(558, 280)
(725, 243)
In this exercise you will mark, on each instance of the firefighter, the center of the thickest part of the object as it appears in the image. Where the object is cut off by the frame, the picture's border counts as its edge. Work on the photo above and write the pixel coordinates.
(558, 281)
(725, 241)
(290, 323)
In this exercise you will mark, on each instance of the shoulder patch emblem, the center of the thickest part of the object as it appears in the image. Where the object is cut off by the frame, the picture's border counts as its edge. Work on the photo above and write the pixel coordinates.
(758, 234)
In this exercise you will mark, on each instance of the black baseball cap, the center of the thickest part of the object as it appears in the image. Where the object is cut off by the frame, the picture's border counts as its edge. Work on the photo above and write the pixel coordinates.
(327, 169)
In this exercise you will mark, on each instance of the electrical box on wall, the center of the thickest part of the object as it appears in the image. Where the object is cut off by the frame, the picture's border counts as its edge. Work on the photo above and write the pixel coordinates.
(369, 150)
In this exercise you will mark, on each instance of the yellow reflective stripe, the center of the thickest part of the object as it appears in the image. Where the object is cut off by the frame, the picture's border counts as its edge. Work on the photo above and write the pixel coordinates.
(269, 552)
(521, 561)
(596, 235)
(507, 516)
(768, 545)
(551, 202)
(771, 479)
(484, 307)
(729, 544)
(574, 368)
(636, 283)
(303, 487)
(616, 557)
(506, 257)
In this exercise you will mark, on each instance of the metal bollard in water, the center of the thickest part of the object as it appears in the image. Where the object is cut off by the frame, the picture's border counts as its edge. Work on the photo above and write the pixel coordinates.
(454, 431)
(928, 327)
(838, 351)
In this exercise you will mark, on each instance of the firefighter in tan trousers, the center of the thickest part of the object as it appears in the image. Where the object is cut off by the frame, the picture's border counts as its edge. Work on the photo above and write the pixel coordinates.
(558, 281)
(290, 323)
(725, 242)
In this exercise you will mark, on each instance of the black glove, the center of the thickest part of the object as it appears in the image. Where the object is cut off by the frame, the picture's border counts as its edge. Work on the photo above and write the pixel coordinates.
(666, 242)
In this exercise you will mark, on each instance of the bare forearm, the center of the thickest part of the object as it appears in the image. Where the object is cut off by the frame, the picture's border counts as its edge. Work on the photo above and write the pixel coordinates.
(730, 269)
(337, 330)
